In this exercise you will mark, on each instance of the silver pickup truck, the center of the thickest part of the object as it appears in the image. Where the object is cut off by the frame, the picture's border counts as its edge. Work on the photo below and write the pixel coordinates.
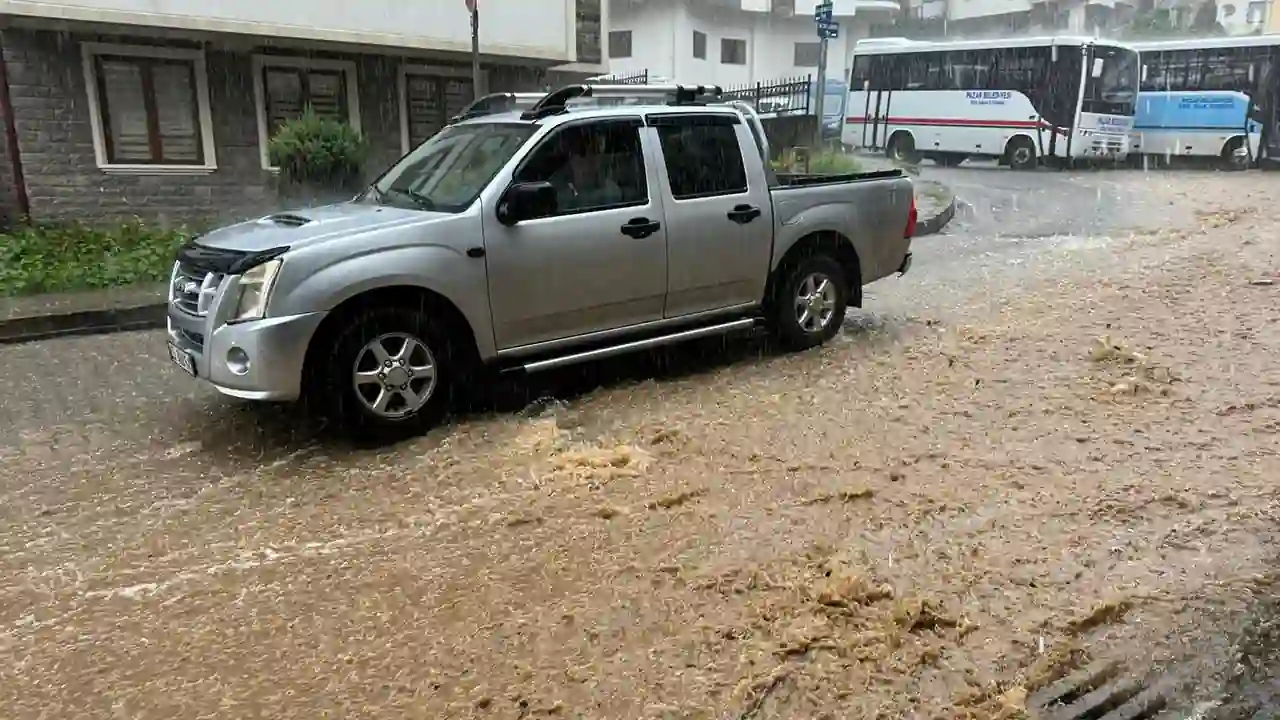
(532, 239)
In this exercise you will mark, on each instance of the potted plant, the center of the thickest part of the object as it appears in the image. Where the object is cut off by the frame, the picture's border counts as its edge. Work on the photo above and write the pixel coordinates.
(321, 159)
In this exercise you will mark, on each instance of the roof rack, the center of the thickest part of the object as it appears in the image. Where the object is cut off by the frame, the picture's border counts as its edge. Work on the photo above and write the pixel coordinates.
(556, 102)
(495, 103)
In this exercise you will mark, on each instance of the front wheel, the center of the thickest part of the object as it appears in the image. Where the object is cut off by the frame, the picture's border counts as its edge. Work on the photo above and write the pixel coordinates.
(392, 372)
(809, 302)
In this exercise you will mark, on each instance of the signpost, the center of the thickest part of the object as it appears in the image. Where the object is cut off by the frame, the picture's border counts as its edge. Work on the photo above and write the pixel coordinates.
(828, 29)
(475, 47)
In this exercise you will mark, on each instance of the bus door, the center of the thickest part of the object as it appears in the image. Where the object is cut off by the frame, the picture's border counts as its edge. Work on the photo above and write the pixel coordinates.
(879, 96)
(1265, 90)
(1061, 104)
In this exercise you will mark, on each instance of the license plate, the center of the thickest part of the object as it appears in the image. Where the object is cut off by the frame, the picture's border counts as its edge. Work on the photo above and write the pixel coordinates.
(182, 359)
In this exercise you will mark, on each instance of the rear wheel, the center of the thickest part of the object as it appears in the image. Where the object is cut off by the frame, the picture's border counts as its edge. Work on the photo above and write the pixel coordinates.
(1021, 153)
(902, 149)
(809, 302)
(1235, 156)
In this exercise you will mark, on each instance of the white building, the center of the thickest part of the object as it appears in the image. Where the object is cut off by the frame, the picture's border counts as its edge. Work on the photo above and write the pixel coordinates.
(164, 108)
(1002, 17)
(733, 42)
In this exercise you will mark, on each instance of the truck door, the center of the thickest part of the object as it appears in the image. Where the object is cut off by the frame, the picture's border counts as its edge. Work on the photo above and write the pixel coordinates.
(719, 216)
(598, 260)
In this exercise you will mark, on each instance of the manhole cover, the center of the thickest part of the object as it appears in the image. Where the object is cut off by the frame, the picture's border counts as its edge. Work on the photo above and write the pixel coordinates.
(1102, 691)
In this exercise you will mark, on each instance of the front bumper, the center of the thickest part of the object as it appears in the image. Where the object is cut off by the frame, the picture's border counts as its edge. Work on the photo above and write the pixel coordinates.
(255, 360)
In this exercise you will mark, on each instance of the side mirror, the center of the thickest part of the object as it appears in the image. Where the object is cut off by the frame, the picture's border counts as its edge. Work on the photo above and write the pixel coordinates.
(527, 201)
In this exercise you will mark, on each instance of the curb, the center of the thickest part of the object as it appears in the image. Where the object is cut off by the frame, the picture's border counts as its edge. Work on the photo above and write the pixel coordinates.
(935, 224)
(85, 322)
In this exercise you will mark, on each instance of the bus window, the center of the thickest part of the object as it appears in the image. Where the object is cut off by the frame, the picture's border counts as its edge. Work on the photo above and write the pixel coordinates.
(1225, 69)
(861, 72)
(1024, 70)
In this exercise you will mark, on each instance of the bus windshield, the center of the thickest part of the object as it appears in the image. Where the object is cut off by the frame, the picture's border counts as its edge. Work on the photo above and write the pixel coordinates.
(1111, 81)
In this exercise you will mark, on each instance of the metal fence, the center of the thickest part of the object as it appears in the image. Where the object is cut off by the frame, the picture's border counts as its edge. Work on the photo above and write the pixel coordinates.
(788, 96)
(640, 77)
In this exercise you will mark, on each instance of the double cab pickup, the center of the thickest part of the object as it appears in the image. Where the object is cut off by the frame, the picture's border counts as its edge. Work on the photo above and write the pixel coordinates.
(570, 231)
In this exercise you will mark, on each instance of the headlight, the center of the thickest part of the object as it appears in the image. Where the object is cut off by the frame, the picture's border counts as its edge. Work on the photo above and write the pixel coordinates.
(255, 290)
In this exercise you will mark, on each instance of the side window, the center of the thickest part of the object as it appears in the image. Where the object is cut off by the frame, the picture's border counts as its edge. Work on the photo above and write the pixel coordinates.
(1176, 70)
(1023, 70)
(1155, 75)
(702, 155)
(918, 70)
(860, 73)
(593, 166)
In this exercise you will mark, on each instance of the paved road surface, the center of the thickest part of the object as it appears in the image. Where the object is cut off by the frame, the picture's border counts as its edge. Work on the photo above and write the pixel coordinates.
(107, 427)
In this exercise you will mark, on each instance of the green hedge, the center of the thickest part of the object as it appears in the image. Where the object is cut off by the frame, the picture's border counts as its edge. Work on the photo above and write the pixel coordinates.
(63, 258)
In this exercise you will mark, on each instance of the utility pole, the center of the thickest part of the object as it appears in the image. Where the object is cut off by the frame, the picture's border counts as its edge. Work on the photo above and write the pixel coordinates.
(828, 29)
(474, 9)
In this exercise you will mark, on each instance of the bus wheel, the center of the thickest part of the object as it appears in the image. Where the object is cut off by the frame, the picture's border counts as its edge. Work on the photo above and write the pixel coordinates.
(1234, 155)
(1021, 153)
(902, 149)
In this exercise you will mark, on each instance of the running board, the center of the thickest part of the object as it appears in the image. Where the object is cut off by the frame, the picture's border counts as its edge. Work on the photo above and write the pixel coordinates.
(613, 350)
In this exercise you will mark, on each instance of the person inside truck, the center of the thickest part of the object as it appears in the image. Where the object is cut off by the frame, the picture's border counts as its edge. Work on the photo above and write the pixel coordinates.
(585, 178)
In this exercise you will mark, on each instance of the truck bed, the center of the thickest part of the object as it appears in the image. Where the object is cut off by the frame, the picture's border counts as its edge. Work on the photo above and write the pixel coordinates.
(786, 180)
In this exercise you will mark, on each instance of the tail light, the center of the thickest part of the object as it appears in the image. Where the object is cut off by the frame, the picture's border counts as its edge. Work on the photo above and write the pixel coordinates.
(911, 219)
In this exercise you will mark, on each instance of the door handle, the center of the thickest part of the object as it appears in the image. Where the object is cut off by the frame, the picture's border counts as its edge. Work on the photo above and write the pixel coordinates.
(743, 214)
(641, 227)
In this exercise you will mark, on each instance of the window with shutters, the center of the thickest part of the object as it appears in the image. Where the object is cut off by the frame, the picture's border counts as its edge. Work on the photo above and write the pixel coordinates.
(587, 24)
(150, 108)
(430, 98)
(285, 86)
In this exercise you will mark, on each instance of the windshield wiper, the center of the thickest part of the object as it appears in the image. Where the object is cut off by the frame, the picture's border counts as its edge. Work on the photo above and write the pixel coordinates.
(422, 201)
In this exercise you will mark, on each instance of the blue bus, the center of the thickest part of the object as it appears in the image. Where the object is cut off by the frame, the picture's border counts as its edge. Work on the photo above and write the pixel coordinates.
(1208, 98)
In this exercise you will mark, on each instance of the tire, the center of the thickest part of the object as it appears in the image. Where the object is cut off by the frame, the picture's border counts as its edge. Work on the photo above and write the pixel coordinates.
(902, 149)
(797, 326)
(950, 160)
(1022, 154)
(350, 384)
(1231, 159)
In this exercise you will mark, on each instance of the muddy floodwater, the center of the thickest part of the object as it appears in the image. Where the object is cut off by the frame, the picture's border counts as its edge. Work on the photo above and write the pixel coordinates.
(1034, 451)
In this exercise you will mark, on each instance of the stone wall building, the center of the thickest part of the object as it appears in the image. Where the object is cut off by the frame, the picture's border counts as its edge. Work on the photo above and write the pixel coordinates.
(165, 116)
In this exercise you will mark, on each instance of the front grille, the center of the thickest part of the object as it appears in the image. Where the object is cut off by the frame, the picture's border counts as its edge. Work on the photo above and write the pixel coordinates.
(194, 338)
(193, 291)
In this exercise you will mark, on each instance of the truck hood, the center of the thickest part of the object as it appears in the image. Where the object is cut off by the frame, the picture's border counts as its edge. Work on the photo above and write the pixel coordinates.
(300, 228)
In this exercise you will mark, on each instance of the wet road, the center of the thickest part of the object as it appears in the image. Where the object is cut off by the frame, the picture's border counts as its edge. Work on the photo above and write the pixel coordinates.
(192, 533)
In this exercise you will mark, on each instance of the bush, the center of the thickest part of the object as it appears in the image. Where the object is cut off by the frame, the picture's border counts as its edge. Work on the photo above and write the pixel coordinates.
(314, 150)
(60, 258)
(827, 163)
(833, 163)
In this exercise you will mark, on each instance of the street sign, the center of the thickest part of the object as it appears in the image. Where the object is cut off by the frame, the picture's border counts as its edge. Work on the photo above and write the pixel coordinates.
(829, 33)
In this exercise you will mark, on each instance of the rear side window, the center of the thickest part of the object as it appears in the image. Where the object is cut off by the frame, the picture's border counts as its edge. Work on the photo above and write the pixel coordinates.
(702, 155)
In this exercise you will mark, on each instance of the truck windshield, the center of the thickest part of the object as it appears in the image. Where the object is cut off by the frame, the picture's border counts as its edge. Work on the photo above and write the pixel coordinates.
(448, 172)
(1112, 77)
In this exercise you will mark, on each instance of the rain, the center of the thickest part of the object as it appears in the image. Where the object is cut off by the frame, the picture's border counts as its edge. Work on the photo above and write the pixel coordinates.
(1028, 474)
